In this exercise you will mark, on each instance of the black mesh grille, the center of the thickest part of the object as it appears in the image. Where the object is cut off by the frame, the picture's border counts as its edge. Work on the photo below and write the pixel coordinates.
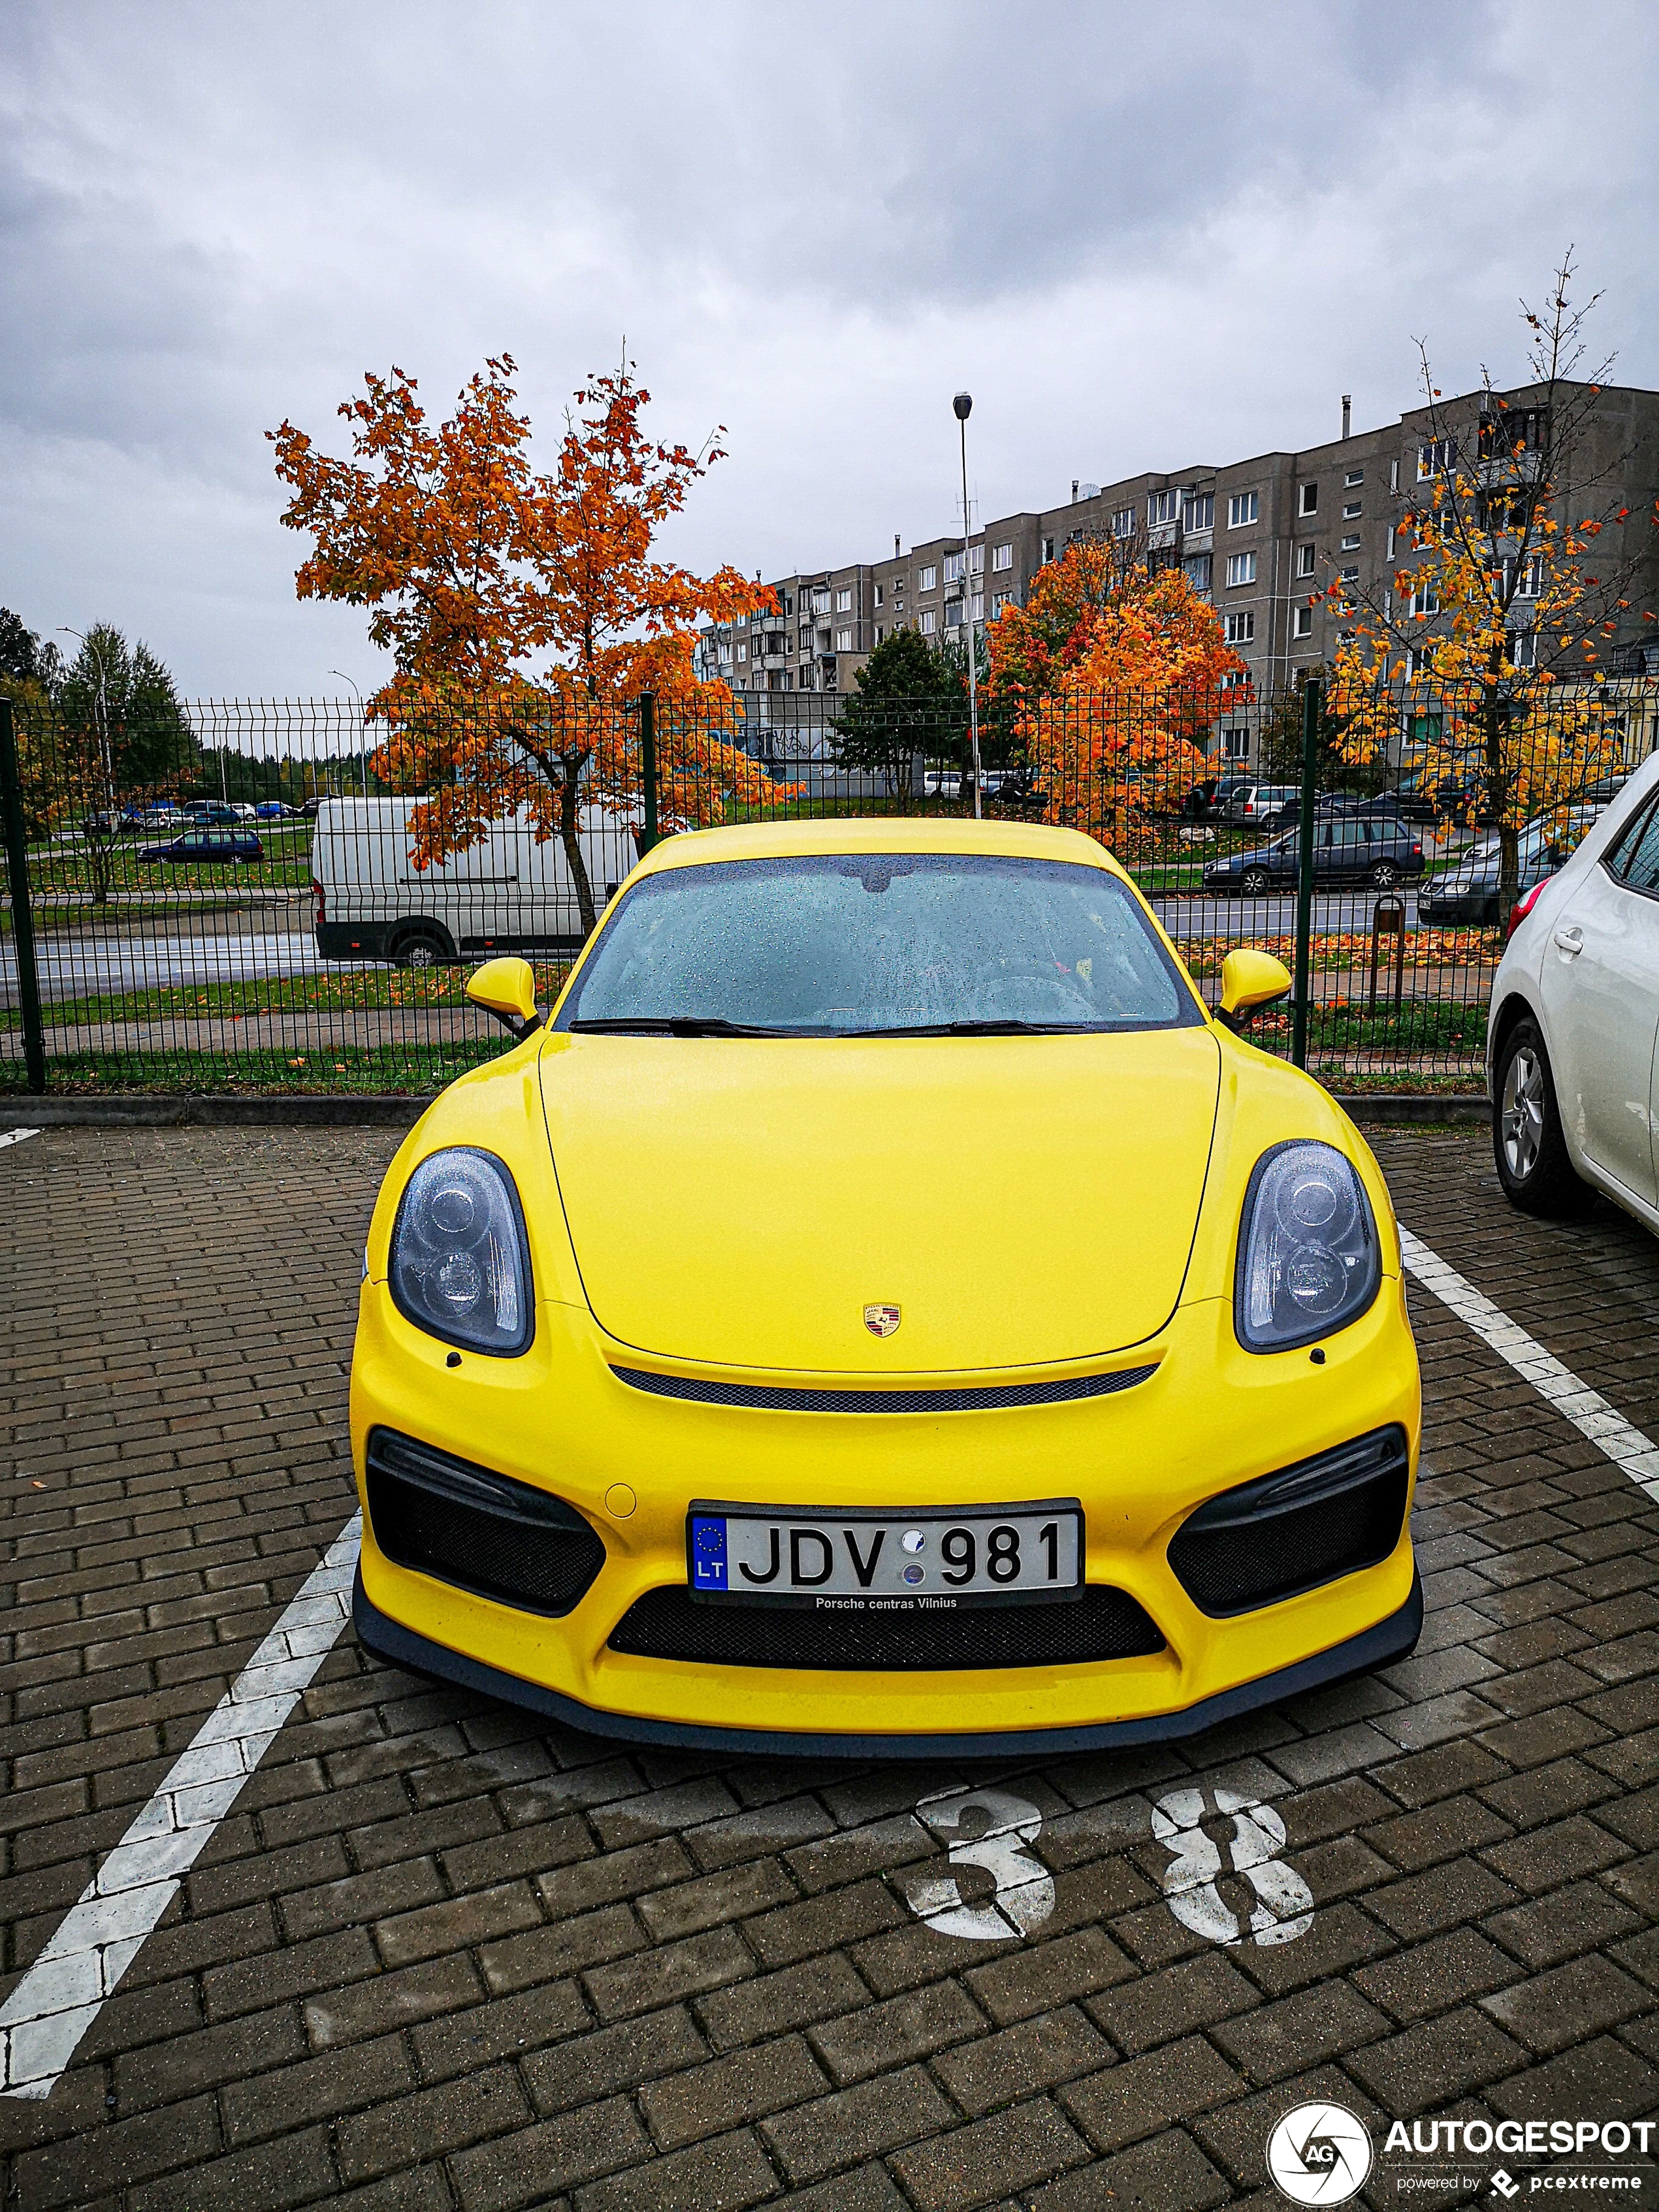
(1289, 1532)
(1103, 1624)
(763, 1397)
(480, 1531)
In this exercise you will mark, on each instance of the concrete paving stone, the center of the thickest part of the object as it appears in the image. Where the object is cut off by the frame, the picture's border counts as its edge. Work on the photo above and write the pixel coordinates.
(1140, 2096)
(1544, 1858)
(1159, 2008)
(381, 2001)
(157, 2073)
(727, 2092)
(1601, 2076)
(1435, 2061)
(1546, 1793)
(971, 2167)
(1042, 1976)
(771, 2004)
(175, 2136)
(545, 1954)
(579, 1887)
(695, 1965)
(534, 2164)
(800, 1929)
(471, 2109)
(294, 2170)
(1425, 1904)
(1168, 2174)
(867, 2188)
(584, 2068)
(911, 2026)
(1636, 1882)
(1584, 1915)
(269, 2102)
(356, 1899)
(1445, 1830)
(1432, 1977)
(1341, 1937)
(1022, 2061)
(1566, 2004)
(458, 1924)
(528, 1851)
(853, 2125)
(1297, 2032)
(725, 2176)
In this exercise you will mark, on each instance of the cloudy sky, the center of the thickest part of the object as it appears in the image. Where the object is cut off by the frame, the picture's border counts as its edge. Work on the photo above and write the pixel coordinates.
(1143, 237)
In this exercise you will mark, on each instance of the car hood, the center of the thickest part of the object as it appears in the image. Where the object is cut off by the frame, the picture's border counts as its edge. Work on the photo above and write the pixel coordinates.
(1018, 1199)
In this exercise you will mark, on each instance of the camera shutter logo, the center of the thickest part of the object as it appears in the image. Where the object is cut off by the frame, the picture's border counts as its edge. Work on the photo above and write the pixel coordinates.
(1320, 2155)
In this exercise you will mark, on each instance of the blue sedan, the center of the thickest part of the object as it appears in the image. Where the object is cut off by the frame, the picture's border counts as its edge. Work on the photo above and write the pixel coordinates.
(225, 846)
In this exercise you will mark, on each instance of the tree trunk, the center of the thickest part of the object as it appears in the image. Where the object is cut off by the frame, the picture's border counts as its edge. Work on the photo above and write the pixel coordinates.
(1495, 712)
(569, 796)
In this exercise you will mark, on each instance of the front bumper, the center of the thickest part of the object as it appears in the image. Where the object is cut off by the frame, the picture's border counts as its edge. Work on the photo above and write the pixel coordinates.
(1391, 1639)
(631, 1461)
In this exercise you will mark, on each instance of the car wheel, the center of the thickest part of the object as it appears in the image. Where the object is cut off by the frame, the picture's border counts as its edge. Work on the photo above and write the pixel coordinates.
(1256, 883)
(421, 948)
(1385, 876)
(1534, 1164)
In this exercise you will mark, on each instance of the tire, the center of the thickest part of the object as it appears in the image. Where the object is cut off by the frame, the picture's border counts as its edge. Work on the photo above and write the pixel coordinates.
(1534, 1165)
(1385, 876)
(1256, 883)
(421, 948)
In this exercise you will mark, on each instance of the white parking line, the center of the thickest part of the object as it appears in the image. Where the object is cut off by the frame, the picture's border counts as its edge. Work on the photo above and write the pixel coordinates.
(46, 2016)
(1587, 1409)
(15, 1137)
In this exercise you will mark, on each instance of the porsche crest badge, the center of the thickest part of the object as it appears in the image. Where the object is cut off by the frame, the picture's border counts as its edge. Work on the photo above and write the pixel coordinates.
(881, 1320)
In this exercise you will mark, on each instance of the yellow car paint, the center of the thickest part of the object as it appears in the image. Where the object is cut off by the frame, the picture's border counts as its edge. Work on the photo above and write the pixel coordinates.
(733, 1204)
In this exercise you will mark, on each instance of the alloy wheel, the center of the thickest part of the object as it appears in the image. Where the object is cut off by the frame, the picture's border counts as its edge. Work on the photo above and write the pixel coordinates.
(1522, 1112)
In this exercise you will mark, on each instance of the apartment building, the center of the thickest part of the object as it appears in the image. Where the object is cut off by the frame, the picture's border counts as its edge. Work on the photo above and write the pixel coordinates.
(1264, 539)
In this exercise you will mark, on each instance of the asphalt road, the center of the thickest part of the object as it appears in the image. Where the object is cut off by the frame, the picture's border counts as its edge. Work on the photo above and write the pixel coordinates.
(93, 966)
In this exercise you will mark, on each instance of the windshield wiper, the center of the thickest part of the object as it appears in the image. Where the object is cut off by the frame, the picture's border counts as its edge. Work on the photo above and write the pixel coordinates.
(671, 1025)
(1007, 1028)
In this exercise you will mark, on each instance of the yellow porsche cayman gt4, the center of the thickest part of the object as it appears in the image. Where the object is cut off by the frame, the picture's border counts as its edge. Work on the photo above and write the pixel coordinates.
(881, 1310)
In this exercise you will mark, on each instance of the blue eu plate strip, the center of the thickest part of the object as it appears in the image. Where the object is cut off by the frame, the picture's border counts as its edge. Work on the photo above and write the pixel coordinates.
(707, 1553)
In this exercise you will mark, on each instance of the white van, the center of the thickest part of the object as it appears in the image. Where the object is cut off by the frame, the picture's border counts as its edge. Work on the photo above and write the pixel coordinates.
(506, 894)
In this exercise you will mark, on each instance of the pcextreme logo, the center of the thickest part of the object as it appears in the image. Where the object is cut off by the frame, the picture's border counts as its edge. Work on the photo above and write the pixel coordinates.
(1320, 2155)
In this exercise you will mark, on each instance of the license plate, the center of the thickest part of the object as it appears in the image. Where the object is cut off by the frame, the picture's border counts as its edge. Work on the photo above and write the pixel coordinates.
(932, 1559)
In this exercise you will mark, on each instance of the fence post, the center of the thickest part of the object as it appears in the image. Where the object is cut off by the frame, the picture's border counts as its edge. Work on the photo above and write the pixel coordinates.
(22, 918)
(648, 768)
(1304, 874)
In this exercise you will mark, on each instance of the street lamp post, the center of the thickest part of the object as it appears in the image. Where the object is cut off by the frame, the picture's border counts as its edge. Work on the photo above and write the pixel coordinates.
(963, 404)
(358, 696)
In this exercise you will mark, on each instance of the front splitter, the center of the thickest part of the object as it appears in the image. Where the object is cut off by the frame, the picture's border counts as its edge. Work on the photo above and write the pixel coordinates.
(1390, 1639)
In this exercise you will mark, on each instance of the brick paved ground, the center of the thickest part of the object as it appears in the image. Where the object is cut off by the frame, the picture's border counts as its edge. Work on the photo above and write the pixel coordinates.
(441, 1956)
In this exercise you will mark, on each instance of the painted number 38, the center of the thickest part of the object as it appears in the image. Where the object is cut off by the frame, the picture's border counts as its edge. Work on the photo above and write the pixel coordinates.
(993, 1830)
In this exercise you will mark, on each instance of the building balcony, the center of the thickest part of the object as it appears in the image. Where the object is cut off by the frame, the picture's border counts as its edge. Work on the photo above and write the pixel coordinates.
(1163, 537)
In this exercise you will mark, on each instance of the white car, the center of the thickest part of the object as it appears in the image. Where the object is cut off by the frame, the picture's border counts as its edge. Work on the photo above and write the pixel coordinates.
(1572, 1036)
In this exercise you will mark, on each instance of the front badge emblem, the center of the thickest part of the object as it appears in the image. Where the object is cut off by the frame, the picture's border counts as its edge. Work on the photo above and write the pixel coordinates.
(881, 1320)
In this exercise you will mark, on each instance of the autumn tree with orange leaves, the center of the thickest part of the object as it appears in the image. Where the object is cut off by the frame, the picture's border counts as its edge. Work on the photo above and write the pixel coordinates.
(526, 612)
(1114, 680)
(1506, 603)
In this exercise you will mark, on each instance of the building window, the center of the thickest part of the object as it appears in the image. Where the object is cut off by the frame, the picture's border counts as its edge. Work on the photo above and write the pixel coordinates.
(1000, 601)
(1350, 543)
(1305, 558)
(742, 652)
(1426, 601)
(953, 614)
(1353, 511)
(1002, 556)
(1160, 508)
(1048, 550)
(976, 560)
(880, 633)
(976, 612)
(1354, 476)
(844, 640)
(1123, 522)
(1524, 649)
(1244, 507)
(953, 568)
(1237, 742)
(844, 600)
(877, 595)
(1240, 628)
(1197, 568)
(1241, 567)
(1301, 623)
(927, 578)
(1393, 475)
(1436, 458)
(1198, 510)
(1309, 503)
(929, 622)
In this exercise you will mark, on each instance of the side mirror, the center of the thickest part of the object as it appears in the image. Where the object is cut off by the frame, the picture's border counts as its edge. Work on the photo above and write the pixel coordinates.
(506, 990)
(1250, 981)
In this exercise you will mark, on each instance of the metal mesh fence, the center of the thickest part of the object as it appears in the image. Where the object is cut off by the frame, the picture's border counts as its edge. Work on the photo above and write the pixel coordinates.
(257, 895)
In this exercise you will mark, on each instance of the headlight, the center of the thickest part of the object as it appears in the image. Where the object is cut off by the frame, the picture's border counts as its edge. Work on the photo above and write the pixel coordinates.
(460, 1263)
(1308, 1256)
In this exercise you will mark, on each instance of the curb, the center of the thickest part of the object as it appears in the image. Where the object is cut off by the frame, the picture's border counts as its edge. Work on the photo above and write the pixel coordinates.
(209, 1110)
(141, 1110)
